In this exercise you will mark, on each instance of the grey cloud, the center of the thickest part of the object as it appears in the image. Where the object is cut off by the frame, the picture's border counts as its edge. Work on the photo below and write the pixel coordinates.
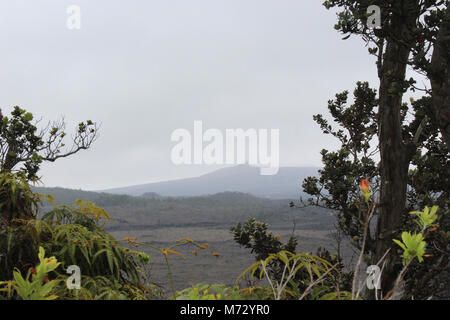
(146, 68)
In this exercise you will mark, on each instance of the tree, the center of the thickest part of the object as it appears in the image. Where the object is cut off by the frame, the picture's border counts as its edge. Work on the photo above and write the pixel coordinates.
(21, 143)
(438, 70)
(409, 31)
(264, 245)
(337, 186)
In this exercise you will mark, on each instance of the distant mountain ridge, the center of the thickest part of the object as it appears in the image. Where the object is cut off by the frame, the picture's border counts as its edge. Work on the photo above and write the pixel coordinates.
(286, 184)
(229, 199)
(209, 211)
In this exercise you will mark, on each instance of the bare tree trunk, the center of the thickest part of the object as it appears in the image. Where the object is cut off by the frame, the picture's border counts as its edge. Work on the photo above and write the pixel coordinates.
(439, 75)
(395, 154)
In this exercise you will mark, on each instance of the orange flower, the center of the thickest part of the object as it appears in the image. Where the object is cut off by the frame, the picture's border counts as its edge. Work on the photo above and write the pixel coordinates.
(215, 254)
(365, 185)
(166, 252)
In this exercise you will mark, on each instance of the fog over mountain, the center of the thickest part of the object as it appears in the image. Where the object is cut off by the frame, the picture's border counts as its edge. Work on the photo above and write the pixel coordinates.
(285, 184)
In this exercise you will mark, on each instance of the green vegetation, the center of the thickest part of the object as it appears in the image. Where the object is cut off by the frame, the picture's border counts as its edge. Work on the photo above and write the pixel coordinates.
(22, 143)
(43, 249)
(39, 287)
(206, 291)
(401, 148)
(73, 236)
(390, 181)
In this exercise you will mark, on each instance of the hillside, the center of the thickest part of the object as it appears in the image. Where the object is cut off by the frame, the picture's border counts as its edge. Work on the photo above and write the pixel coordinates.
(148, 212)
(160, 221)
(286, 184)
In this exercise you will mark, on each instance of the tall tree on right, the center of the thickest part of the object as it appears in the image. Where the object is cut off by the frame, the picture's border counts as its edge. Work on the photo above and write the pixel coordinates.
(438, 71)
(412, 34)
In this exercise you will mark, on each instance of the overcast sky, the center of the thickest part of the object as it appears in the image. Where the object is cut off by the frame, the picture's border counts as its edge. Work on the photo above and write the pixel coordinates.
(144, 68)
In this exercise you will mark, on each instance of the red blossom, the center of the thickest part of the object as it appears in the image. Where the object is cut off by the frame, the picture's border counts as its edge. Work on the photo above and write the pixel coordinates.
(364, 185)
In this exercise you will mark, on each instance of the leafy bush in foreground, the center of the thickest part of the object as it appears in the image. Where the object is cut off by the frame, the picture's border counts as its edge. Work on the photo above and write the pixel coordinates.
(72, 235)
